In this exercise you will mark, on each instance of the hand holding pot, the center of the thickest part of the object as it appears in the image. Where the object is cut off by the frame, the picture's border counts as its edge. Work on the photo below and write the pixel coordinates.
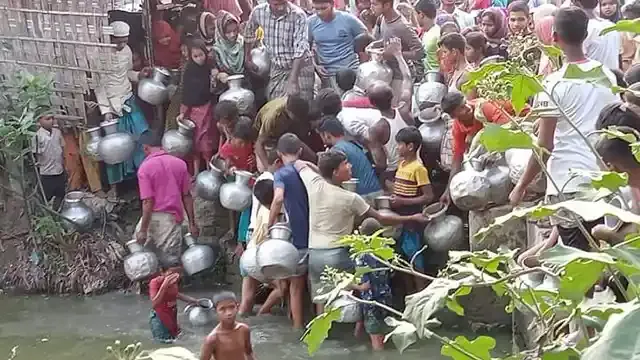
(516, 195)
(445, 199)
(193, 229)
(145, 73)
(420, 218)
(141, 237)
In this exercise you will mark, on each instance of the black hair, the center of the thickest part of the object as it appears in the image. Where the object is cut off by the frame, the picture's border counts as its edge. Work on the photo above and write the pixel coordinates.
(630, 96)
(263, 191)
(386, 1)
(346, 79)
(453, 41)
(169, 262)
(315, 112)
(298, 106)
(149, 138)
(619, 78)
(451, 101)
(586, 4)
(361, 42)
(272, 156)
(477, 40)
(226, 109)
(410, 135)
(289, 144)
(443, 29)
(615, 114)
(331, 125)
(571, 25)
(616, 150)
(243, 129)
(428, 8)
(322, 1)
(632, 75)
(381, 96)
(223, 296)
(519, 6)
(329, 102)
(631, 11)
(329, 161)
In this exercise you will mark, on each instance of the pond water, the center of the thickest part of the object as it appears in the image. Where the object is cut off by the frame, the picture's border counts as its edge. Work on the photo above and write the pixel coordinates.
(80, 328)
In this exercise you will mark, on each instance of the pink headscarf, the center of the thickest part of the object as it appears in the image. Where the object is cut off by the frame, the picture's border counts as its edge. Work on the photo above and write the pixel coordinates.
(544, 30)
(500, 23)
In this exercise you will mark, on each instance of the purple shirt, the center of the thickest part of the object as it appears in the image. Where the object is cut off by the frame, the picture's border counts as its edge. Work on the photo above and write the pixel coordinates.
(164, 178)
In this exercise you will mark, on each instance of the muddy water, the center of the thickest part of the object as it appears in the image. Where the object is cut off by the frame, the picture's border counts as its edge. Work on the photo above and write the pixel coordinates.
(77, 328)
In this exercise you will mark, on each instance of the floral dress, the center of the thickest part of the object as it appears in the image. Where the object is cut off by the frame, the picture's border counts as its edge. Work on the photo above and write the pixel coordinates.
(380, 291)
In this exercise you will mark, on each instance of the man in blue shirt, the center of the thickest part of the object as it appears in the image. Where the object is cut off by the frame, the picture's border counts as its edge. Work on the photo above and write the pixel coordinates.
(333, 135)
(331, 34)
(289, 190)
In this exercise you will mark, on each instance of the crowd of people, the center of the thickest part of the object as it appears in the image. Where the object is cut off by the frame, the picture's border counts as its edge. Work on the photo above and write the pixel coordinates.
(318, 122)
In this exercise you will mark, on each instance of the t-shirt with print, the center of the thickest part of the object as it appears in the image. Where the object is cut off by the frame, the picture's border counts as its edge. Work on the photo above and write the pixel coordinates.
(582, 103)
(332, 210)
(334, 40)
(410, 177)
(361, 167)
(296, 203)
(605, 48)
(462, 134)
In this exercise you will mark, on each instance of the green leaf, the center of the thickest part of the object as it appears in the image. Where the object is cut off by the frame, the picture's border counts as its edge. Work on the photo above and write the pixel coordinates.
(497, 138)
(632, 26)
(578, 277)
(423, 304)
(523, 87)
(554, 54)
(452, 300)
(562, 255)
(619, 339)
(601, 306)
(318, 329)
(609, 180)
(480, 347)
(561, 352)
(403, 334)
(476, 76)
(595, 75)
(613, 132)
(589, 211)
(384, 253)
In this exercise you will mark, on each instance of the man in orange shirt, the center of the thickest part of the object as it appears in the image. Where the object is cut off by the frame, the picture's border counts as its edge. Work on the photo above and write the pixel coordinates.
(466, 126)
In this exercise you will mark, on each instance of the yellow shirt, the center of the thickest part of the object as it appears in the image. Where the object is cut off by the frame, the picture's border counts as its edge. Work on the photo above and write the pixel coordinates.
(410, 177)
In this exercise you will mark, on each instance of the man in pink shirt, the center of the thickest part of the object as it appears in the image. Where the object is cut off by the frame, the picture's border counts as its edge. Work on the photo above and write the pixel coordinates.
(164, 184)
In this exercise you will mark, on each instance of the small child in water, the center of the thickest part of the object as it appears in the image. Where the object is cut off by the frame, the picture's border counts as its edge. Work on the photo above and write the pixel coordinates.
(229, 340)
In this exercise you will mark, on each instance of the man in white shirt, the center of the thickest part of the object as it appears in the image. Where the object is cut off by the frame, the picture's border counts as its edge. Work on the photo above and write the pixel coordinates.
(463, 18)
(606, 48)
(581, 102)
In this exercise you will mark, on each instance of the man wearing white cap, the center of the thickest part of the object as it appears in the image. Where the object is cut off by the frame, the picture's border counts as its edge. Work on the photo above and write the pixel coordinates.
(117, 102)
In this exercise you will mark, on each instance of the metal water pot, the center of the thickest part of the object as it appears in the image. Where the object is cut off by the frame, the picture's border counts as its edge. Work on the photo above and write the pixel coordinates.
(517, 160)
(154, 90)
(432, 130)
(280, 231)
(249, 263)
(500, 184)
(260, 59)
(277, 259)
(115, 147)
(470, 189)
(243, 98)
(80, 215)
(141, 263)
(426, 95)
(179, 142)
(236, 196)
(443, 232)
(349, 310)
(383, 205)
(200, 314)
(350, 185)
(91, 146)
(208, 183)
(197, 257)
(374, 69)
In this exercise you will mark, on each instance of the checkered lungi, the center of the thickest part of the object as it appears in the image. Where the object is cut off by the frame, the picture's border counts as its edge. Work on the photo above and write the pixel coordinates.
(277, 86)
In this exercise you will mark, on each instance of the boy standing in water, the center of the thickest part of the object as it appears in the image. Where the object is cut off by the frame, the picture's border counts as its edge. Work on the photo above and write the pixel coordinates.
(229, 340)
(164, 294)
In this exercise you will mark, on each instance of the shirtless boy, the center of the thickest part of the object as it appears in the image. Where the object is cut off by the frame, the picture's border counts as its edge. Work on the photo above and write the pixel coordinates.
(229, 340)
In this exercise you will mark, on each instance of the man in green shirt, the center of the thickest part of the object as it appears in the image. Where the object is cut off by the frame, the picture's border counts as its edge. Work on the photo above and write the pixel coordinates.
(427, 12)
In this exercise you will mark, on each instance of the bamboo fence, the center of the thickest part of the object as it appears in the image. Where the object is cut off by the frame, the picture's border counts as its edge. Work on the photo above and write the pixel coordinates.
(66, 38)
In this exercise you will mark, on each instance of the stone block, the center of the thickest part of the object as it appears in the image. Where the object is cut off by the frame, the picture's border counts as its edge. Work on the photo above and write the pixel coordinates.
(212, 219)
(513, 234)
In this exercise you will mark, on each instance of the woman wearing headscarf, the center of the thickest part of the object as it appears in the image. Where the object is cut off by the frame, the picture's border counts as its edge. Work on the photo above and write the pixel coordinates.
(207, 29)
(166, 45)
(228, 49)
(610, 10)
(494, 26)
(544, 32)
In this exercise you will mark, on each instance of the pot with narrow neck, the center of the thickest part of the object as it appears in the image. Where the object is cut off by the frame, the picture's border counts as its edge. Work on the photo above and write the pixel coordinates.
(236, 195)
(432, 130)
(242, 97)
(374, 69)
(260, 58)
(383, 204)
(444, 232)
(208, 183)
(91, 147)
(277, 259)
(200, 313)
(141, 263)
(470, 189)
(197, 257)
(154, 90)
(77, 215)
(179, 142)
(116, 146)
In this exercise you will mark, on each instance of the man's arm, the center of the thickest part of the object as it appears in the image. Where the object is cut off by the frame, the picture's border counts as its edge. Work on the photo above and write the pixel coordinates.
(249, 34)
(187, 298)
(276, 204)
(394, 219)
(378, 136)
(206, 352)
(456, 166)
(147, 210)
(404, 100)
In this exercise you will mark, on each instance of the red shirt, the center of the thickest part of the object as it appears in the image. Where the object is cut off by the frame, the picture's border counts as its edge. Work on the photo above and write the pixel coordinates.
(167, 310)
(240, 157)
(461, 132)
(362, 102)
